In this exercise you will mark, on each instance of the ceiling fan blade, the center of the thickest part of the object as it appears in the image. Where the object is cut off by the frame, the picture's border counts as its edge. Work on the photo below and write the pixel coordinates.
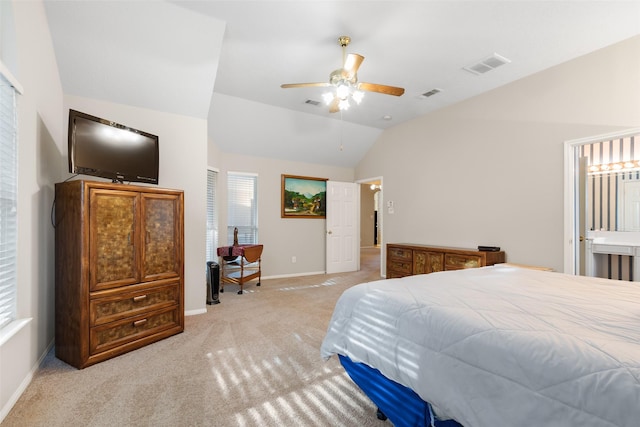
(387, 90)
(288, 85)
(352, 63)
(334, 107)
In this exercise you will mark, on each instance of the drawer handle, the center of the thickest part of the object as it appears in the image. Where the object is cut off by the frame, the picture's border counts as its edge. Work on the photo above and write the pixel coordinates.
(139, 298)
(139, 322)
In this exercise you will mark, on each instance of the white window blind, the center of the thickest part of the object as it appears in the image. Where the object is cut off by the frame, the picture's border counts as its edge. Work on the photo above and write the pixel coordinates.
(212, 215)
(8, 201)
(242, 207)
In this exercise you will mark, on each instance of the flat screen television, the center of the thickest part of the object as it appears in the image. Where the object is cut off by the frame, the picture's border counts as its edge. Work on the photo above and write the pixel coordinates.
(106, 149)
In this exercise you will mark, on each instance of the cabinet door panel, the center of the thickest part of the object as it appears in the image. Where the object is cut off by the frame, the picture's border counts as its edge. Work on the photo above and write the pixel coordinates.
(162, 236)
(427, 262)
(112, 239)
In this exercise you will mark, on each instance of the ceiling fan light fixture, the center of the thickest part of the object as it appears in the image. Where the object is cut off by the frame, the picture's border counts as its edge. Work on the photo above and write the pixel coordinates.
(327, 97)
(357, 96)
(342, 91)
(344, 104)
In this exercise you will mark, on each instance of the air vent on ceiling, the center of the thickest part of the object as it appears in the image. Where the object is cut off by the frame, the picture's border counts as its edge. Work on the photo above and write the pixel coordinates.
(491, 63)
(431, 92)
(312, 102)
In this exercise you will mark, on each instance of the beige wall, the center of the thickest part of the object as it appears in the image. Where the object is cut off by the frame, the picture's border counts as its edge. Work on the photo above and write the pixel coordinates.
(40, 135)
(183, 166)
(282, 237)
(489, 171)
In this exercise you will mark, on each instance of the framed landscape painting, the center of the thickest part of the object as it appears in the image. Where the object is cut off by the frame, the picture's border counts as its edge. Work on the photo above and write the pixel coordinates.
(303, 197)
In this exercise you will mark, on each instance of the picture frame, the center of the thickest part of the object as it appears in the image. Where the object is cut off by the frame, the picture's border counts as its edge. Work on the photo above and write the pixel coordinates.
(303, 197)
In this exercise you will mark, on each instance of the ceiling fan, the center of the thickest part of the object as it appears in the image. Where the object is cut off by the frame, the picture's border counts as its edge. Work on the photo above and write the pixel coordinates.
(345, 82)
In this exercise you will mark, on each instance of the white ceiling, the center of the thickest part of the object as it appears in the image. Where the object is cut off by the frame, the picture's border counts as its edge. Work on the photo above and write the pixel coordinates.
(225, 60)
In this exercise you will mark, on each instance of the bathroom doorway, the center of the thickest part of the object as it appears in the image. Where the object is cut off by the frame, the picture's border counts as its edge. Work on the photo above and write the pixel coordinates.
(598, 173)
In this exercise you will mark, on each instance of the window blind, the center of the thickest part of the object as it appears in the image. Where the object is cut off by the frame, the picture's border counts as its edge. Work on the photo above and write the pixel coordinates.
(8, 201)
(242, 207)
(212, 215)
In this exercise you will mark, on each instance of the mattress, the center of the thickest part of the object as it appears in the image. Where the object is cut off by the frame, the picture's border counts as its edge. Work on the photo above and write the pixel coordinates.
(500, 345)
(402, 406)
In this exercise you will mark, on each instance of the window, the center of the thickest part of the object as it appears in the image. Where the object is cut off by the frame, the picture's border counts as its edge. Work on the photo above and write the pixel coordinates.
(8, 198)
(212, 215)
(243, 207)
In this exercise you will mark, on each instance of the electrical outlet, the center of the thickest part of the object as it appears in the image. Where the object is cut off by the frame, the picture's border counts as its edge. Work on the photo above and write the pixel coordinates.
(294, 259)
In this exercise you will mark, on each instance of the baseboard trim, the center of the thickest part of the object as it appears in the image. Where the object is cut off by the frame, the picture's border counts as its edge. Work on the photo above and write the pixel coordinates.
(286, 276)
(24, 384)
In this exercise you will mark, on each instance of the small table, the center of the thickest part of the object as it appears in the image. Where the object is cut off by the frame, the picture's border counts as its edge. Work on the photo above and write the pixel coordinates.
(239, 264)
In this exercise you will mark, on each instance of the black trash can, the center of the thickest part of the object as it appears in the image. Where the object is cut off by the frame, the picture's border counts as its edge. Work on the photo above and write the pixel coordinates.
(213, 280)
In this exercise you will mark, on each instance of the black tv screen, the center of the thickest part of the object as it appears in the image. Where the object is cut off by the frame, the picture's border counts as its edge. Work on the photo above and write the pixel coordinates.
(106, 149)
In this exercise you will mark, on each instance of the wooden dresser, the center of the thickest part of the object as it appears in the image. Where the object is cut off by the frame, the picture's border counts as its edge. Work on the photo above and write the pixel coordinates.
(408, 259)
(119, 269)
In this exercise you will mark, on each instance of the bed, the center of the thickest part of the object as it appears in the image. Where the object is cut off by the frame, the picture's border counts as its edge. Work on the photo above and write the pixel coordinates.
(240, 264)
(493, 346)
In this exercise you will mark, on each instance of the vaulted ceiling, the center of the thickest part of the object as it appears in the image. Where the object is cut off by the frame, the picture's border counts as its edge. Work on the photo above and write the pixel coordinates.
(224, 61)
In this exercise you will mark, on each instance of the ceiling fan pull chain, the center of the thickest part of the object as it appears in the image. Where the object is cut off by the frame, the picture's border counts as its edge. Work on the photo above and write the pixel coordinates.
(341, 131)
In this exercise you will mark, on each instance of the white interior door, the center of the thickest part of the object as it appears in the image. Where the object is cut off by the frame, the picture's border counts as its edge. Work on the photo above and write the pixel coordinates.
(631, 206)
(343, 228)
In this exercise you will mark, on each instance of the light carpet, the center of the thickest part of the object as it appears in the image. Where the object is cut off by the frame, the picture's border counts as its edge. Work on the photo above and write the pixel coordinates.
(252, 360)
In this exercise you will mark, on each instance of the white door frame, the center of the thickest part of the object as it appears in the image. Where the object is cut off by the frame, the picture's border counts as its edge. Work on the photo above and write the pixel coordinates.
(381, 242)
(571, 233)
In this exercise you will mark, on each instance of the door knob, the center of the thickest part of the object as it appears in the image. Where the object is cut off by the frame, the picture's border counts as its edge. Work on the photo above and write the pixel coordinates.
(329, 232)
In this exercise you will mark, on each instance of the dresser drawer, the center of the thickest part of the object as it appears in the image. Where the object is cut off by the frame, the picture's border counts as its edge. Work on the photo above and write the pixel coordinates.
(399, 269)
(108, 336)
(457, 261)
(129, 303)
(400, 254)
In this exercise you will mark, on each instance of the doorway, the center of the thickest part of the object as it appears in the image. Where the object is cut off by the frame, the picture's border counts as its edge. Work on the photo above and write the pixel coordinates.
(371, 219)
(593, 159)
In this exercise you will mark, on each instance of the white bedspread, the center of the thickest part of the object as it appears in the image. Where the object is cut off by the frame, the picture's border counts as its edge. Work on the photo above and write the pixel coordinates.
(501, 346)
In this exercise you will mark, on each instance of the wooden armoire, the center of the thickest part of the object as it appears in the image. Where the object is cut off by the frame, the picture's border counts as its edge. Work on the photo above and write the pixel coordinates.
(119, 268)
